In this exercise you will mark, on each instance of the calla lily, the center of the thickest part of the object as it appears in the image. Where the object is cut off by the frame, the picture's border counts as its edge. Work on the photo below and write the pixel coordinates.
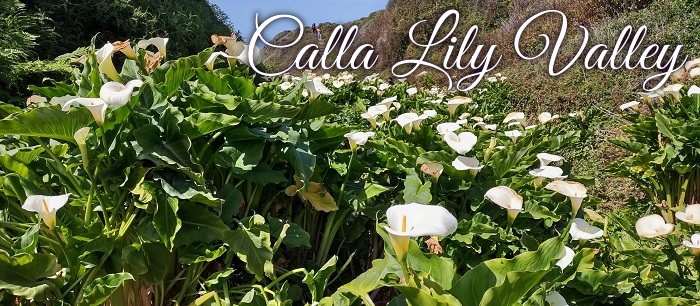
(316, 88)
(373, 112)
(384, 86)
(409, 121)
(96, 106)
(284, 86)
(477, 119)
(555, 299)
(241, 52)
(46, 207)
(358, 139)
(574, 190)
(212, 59)
(693, 244)
(80, 137)
(515, 116)
(546, 117)
(546, 158)
(690, 215)
(567, 259)
(432, 169)
(471, 164)
(582, 231)
(652, 226)
(507, 198)
(417, 220)
(158, 42)
(633, 105)
(338, 83)
(491, 127)
(125, 48)
(514, 123)
(104, 60)
(429, 113)
(116, 95)
(547, 172)
(693, 90)
(455, 102)
(513, 135)
(462, 143)
(530, 127)
(444, 128)
(389, 102)
(673, 90)
(412, 91)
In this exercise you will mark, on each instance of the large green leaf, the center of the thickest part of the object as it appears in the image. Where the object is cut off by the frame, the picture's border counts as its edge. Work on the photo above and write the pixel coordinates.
(253, 246)
(165, 220)
(316, 281)
(28, 275)
(164, 149)
(503, 282)
(200, 124)
(241, 156)
(373, 278)
(49, 122)
(180, 187)
(99, 291)
(415, 191)
(199, 225)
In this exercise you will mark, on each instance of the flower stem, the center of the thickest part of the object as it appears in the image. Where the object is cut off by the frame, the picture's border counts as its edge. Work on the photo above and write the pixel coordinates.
(61, 167)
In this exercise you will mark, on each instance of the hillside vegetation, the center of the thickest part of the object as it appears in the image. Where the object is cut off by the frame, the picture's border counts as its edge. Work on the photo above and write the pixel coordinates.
(669, 22)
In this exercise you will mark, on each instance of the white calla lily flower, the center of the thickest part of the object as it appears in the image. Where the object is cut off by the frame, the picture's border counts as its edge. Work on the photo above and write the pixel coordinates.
(455, 102)
(514, 123)
(555, 299)
(96, 106)
(530, 127)
(358, 139)
(633, 105)
(212, 59)
(116, 94)
(81, 137)
(159, 42)
(104, 60)
(582, 231)
(444, 128)
(410, 121)
(515, 116)
(373, 112)
(567, 259)
(316, 88)
(417, 220)
(389, 102)
(470, 164)
(513, 135)
(673, 90)
(693, 90)
(46, 207)
(284, 86)
(507, 198)
(338, 83)
(546, 159)
(547, 172)
(691, 214)
(384, 86)
(412, 91)
(652, 226)
(429, 113)
(462, 143)
(693, 244)
(545, 117)
(575, 191)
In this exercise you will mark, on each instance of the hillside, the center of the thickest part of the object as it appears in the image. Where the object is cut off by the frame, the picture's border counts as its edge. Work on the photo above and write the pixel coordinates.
(669, 21)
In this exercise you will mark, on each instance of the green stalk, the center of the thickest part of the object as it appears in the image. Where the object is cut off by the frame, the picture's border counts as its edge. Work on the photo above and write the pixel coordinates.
(283, 276)
(105, 144)
(676, 257)
(328, 234)
(88, 205)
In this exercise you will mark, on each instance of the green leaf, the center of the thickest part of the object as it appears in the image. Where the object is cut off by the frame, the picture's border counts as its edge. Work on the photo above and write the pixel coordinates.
(241, 86)
(503, 282)
(149, 260)
(27, 242)
(201, 253)
(165, 220)
(373, 278)
(48, 122)
(99, 291)
(316, 281)
(184, 189)
(439, 269)
(241, 156)
(666, 128)
(213, 80)
(253, 246)
(199, 225)
(666, 301)
(200, 124)
(415, 191)
(28, 275)
(164, 149)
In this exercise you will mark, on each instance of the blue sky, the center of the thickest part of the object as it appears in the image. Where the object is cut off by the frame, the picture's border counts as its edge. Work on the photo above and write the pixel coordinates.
(242, 12)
